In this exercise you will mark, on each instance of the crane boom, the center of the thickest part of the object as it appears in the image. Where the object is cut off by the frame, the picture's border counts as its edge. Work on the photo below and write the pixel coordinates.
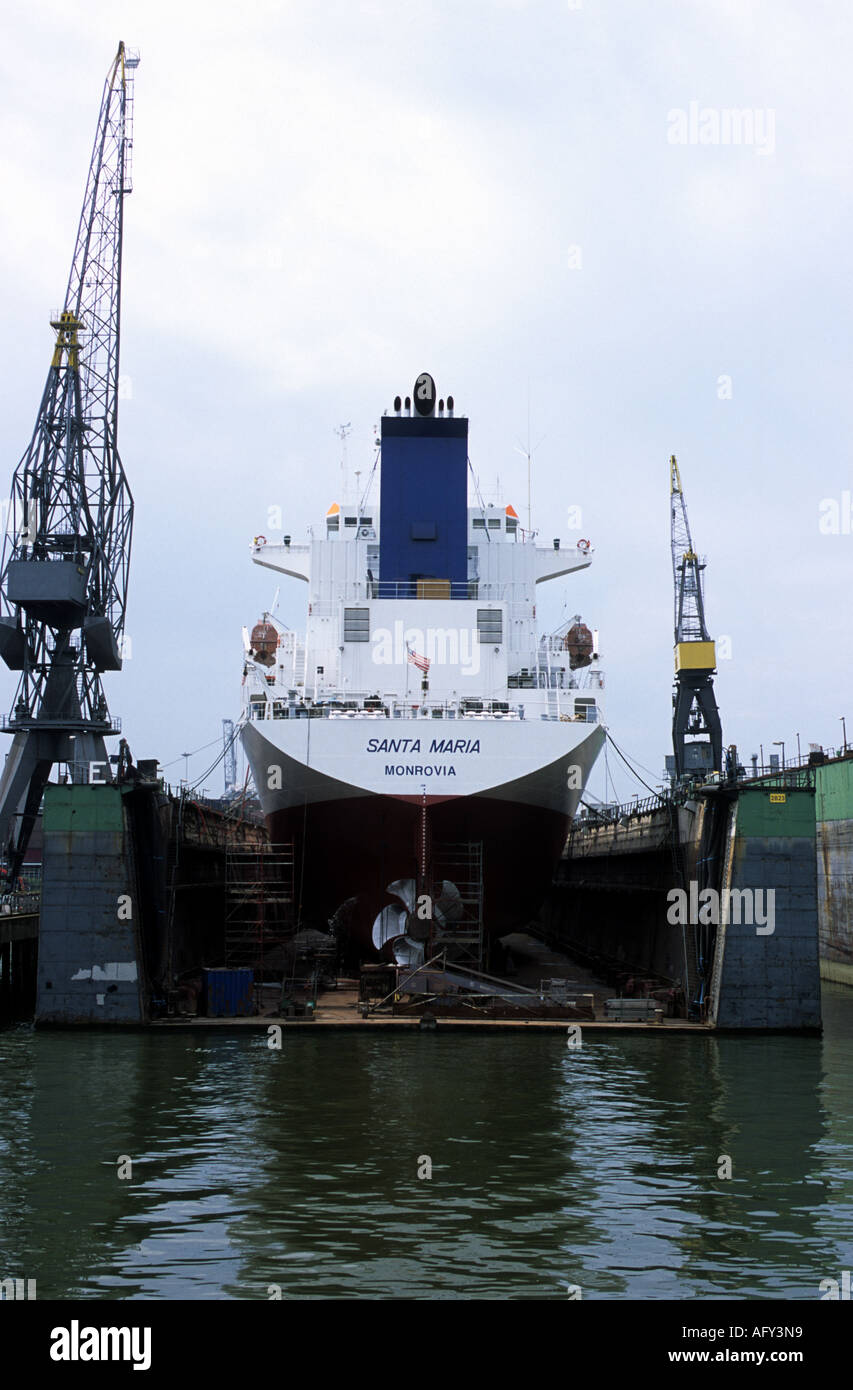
(687, 569)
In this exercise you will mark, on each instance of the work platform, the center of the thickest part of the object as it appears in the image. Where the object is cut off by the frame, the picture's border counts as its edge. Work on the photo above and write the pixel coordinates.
(337, 1011)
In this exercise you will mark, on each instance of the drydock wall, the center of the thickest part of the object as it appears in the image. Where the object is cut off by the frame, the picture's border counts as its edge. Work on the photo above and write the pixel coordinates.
(134, 899)
(88, 954)
(611, 903)
(834, 813)
(767, 976)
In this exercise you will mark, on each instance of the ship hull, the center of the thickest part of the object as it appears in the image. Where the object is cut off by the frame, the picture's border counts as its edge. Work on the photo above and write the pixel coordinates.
(351, 840)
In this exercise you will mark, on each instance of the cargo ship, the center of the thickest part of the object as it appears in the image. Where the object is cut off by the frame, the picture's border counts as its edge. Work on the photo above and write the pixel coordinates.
(421, 747)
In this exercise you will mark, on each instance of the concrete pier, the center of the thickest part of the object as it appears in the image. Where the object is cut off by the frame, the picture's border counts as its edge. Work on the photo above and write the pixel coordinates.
(133, 893)
(90, 967)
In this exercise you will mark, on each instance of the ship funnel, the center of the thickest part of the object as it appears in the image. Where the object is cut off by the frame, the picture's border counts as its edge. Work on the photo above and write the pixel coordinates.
(424, 499)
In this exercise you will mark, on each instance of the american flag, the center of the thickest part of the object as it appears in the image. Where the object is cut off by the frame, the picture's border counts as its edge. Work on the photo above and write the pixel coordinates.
(421, 662)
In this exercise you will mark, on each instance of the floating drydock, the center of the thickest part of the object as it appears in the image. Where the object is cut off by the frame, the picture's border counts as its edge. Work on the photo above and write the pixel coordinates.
(146, 897)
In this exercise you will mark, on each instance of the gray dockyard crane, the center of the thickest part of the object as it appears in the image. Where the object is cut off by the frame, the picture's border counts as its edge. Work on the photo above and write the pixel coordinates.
(697, 737)
(66, 551)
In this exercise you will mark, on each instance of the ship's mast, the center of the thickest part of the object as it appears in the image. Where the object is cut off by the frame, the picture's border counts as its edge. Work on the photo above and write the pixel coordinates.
(66, 553)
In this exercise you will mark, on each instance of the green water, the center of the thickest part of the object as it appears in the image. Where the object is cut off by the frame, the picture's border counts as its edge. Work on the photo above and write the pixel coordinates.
(550, 1167)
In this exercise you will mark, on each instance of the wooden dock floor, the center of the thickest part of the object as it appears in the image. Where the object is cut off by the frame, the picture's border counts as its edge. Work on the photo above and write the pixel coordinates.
(337, 1011)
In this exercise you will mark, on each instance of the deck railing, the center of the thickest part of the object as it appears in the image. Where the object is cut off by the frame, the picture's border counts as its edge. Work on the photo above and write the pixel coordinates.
(395, 708)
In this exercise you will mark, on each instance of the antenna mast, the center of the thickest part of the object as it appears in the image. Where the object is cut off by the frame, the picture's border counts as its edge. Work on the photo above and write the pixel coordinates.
(343, 432)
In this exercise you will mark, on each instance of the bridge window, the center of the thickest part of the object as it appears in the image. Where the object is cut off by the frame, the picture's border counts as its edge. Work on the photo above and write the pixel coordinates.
(356, 624)
(490, 625)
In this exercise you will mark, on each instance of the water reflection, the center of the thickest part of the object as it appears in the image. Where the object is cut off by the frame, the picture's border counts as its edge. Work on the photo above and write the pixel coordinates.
(550, 1167)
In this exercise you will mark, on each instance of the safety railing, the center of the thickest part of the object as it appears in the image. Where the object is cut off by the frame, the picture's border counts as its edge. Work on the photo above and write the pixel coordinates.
(260, 710)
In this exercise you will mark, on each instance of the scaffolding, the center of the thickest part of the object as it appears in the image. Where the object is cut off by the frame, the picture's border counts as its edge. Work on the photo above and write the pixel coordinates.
(461, 934)
(259, 917)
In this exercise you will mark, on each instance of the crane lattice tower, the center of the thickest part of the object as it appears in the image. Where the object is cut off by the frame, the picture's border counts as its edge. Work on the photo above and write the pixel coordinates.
(66, 552)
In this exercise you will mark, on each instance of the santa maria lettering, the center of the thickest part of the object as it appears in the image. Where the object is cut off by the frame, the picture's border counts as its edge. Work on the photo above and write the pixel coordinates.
(413, 745)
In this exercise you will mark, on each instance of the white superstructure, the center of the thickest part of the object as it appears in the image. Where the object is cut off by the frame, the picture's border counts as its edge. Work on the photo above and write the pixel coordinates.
(486, 660)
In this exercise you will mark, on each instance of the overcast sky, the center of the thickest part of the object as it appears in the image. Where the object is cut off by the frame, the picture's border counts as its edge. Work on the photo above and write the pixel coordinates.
(536, 202)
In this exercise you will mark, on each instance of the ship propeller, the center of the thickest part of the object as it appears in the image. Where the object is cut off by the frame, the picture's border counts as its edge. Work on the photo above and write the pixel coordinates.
(403, 929)
(392, 923)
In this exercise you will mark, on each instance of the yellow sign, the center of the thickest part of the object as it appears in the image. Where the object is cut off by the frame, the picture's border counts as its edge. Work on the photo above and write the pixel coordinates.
(778, 796)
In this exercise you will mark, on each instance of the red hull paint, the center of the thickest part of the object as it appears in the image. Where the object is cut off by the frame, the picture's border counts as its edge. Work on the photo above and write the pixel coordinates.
(356, 847)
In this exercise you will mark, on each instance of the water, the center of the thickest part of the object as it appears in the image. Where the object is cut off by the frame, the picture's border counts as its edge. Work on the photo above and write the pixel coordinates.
(298, 1169)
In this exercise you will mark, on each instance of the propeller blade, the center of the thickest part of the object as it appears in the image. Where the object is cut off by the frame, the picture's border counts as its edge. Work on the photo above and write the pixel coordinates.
(390, 923)
(448, 907)
(404, 889)
(408, 952)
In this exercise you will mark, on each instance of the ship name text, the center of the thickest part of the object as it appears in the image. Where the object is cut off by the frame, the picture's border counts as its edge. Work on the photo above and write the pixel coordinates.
(420, 770)
(413, 745)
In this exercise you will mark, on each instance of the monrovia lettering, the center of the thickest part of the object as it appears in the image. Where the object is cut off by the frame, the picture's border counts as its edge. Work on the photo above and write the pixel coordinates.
(428, 770)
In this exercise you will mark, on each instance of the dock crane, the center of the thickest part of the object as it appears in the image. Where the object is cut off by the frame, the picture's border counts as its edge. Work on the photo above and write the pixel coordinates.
(697, 737)
(66, 552)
